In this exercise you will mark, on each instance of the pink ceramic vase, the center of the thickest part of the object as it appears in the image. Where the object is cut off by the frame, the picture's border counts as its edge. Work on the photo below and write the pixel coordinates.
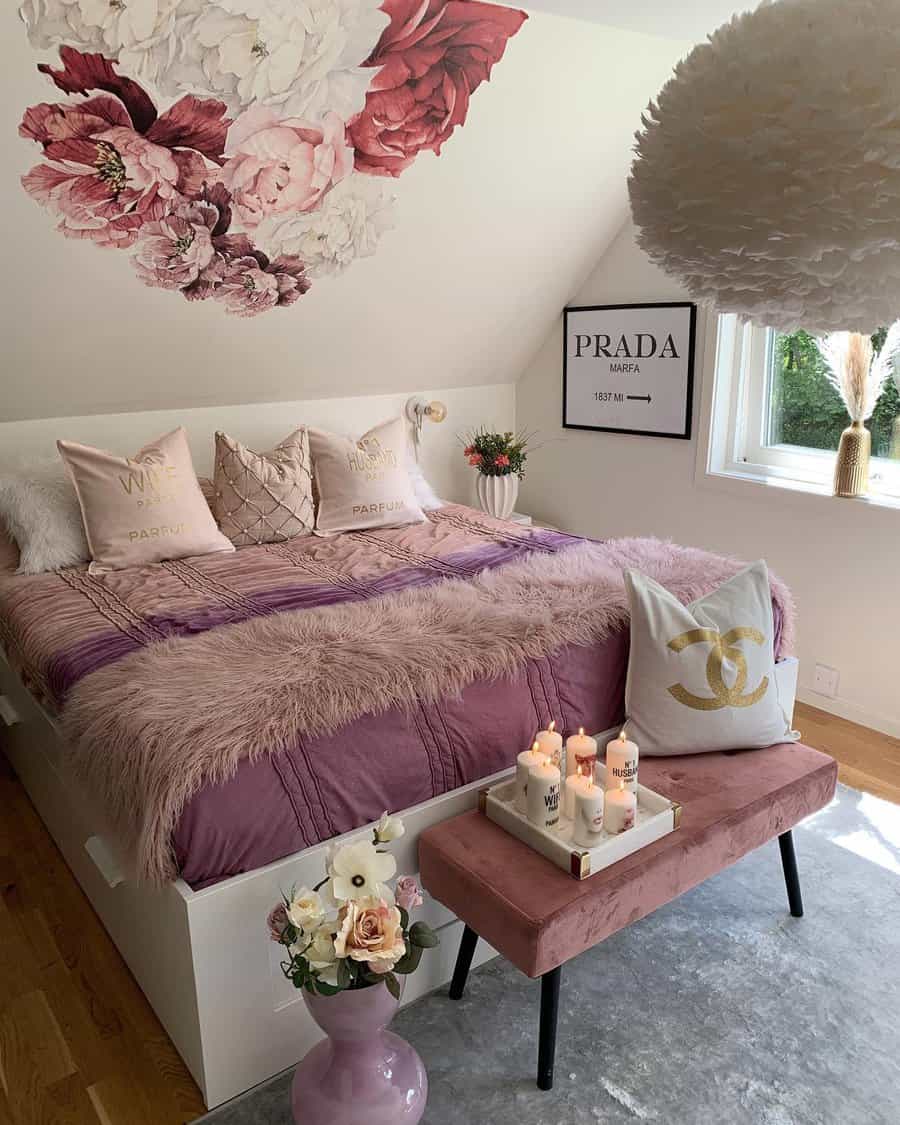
(361, 1074)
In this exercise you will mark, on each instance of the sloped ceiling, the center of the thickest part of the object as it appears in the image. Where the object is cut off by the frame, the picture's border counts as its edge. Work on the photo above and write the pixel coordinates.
(491, 239)
(691, 21)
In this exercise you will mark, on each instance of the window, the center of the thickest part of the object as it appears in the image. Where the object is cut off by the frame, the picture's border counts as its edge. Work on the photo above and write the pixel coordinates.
(776, 415)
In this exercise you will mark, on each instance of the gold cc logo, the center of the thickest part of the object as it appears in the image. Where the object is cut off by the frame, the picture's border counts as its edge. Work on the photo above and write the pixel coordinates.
(723, 647)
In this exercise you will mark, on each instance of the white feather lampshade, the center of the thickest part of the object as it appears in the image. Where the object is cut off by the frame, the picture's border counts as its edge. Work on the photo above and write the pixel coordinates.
(767, 175)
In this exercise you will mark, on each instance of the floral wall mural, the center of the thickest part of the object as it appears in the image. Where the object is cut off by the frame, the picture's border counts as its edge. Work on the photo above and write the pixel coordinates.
(240, 149)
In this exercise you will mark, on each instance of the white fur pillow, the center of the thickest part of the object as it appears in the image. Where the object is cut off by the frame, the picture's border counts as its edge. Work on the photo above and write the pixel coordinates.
(427, 499)
(40, 510)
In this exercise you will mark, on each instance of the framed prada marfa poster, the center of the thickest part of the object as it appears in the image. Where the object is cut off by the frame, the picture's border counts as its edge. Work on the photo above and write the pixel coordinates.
(629, 369)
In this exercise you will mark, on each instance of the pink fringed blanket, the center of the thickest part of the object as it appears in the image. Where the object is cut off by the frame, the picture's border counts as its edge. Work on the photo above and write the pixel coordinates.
(151, 728)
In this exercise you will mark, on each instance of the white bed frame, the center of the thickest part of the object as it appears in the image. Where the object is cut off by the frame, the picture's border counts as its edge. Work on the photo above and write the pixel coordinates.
(203, 958)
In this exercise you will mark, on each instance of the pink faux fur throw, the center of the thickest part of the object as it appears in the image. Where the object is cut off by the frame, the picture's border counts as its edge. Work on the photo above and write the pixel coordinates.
(146, 732)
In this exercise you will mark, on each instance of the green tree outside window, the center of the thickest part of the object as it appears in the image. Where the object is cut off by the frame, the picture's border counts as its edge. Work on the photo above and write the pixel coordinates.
(806, 410)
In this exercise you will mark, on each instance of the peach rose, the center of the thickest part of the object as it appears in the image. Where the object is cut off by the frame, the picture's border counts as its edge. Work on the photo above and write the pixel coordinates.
(370, 931)
(282, 167)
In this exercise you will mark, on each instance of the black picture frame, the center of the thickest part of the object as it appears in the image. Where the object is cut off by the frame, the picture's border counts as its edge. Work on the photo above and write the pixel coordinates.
(681, 435)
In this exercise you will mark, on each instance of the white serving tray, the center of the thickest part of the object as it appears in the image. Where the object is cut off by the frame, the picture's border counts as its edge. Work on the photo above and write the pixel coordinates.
(657, 816)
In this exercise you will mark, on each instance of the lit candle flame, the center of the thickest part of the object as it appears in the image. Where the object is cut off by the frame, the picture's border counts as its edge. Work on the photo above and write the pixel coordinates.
(580, 731)
(621, 783)
(535, 748)
(622, 737)
(551, 726)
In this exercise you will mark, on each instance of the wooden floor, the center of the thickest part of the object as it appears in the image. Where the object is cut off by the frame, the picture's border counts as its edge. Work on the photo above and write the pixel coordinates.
(867, 760)
(79, 1044)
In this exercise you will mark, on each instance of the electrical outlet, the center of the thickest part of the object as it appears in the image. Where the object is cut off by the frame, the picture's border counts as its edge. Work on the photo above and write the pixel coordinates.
(826, 680)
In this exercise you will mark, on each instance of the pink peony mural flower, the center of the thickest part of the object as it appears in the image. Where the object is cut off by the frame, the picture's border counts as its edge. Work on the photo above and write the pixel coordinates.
(433, 55)
(100, 177)
(279, 167)
(177, 250)
(251, 284)
(110, 164)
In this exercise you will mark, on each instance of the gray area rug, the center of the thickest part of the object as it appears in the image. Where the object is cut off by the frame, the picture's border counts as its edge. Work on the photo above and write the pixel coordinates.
(719, 1009)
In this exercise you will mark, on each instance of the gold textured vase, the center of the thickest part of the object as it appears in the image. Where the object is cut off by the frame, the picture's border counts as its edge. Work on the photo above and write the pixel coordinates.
(851, 470)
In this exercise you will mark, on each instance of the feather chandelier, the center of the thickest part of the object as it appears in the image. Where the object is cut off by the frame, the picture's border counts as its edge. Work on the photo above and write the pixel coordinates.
(767, 173)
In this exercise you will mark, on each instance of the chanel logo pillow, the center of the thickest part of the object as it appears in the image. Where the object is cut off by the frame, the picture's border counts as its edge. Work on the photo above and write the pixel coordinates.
(142, 509)
(363, 484)
(263, 497)
(701, 676)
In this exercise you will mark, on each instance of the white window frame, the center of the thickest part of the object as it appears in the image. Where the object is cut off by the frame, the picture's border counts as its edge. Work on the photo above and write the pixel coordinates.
(740, 415)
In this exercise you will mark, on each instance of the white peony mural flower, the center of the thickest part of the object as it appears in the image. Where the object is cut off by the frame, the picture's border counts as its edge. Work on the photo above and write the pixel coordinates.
(301, 57)
(348, 225)
(120, 27)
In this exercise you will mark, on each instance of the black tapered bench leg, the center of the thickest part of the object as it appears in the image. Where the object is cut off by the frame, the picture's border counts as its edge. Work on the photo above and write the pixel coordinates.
(791, 877)
(549, 1015)
(463, 963)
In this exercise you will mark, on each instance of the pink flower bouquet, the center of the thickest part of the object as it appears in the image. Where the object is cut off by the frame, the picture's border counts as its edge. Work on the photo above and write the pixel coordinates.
(497, 455)
(352, 930)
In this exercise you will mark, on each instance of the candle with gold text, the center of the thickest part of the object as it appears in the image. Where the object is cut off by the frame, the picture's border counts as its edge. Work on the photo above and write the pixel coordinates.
(524, 762)
(588, 819)
(620, 810)
(622, 762)
(543, 795)
(550, 743)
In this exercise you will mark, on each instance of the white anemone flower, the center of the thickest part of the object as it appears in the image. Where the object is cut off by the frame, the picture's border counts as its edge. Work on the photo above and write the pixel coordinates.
(348, 224)
(359, 871)
(301, 57)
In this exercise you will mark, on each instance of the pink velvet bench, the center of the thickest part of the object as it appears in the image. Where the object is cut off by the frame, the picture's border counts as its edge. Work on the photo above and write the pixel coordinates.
(538, 917)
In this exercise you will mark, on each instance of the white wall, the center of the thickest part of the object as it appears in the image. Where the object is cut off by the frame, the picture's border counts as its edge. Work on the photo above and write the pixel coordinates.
(263, 425)
(490, 239)
(840, 557)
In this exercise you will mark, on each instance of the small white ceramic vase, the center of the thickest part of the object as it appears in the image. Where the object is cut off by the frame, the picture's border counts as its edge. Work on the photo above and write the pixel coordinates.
(497, 495)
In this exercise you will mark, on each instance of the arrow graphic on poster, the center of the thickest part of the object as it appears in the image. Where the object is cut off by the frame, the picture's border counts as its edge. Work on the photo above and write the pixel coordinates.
(639, 398)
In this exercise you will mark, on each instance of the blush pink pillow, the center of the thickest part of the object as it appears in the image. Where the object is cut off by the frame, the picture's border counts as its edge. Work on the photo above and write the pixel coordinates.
(142, 509)
(363, 484)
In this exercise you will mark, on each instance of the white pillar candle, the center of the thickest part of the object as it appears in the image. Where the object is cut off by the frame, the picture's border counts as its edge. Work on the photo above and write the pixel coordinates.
(524, 762)
(574, 783)
(543, 795)
(620, 810)
(581, 753)
(622, 762)
(550, 742)
(588, 814)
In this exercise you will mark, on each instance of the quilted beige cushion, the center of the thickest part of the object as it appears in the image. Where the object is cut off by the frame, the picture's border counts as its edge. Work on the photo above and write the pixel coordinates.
(142, 509)
(364, 484)
(263, 497)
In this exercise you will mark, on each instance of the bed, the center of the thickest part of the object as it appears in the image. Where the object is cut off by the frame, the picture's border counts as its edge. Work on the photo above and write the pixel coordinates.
(194, 732)
(60, 630)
